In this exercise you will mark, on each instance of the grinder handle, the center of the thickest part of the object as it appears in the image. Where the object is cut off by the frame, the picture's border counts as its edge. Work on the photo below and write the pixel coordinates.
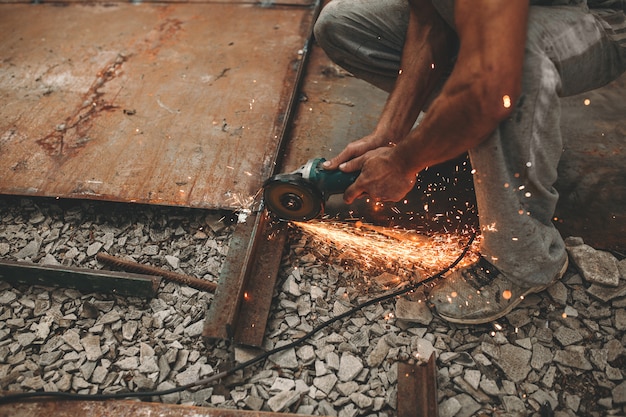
(333, 181)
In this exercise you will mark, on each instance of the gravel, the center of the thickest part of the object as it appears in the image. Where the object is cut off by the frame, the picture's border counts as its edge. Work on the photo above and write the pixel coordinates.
(563, 348)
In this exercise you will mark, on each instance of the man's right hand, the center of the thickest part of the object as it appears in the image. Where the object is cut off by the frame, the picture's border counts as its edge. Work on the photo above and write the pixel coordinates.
(356, 149)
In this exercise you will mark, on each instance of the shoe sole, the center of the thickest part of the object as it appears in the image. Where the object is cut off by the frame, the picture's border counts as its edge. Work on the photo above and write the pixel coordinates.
(531, 290)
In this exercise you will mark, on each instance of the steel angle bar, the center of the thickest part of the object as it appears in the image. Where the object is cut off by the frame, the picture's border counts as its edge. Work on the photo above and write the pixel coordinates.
(243, 297)
(86, 280)
(417, 389)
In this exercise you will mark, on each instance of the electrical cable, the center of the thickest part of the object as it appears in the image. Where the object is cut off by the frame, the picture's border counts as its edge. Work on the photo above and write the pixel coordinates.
(12, 398)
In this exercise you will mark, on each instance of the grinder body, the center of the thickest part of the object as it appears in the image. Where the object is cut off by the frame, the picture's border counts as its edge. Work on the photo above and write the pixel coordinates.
(301, 195)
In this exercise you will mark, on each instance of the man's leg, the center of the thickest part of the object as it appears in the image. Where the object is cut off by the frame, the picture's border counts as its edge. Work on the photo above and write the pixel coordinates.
(365, 37)
(567, 52)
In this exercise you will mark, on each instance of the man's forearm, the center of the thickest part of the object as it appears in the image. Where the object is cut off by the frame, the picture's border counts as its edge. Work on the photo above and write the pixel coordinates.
(427, 55)
(481, 91)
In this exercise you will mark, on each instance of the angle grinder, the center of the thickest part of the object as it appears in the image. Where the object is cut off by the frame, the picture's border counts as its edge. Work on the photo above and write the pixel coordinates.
(302, 194)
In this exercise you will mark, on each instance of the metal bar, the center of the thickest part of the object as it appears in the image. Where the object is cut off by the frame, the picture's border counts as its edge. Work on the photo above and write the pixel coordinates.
(417, 389)
(258, 292)
(197, 283)
(121, 409)
(86, 280)
(222, 316)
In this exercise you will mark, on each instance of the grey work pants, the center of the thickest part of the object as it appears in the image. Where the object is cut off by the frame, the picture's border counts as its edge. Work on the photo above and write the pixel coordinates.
(569, 50)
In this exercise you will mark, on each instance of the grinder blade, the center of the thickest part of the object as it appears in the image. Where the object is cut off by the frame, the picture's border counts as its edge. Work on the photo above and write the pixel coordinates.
(290, 197)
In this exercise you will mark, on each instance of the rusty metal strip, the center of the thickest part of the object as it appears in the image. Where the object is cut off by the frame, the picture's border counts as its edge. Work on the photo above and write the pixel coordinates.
(258, 292)
(242, 301)
(86, 280)
(122, 409)
(224, 309)
(417, 389)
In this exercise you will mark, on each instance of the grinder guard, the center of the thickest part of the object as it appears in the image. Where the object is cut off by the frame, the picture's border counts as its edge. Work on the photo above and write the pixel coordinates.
(302, 194)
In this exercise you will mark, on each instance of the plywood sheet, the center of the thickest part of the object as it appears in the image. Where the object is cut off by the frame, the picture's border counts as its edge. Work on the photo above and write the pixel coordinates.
(177, 104)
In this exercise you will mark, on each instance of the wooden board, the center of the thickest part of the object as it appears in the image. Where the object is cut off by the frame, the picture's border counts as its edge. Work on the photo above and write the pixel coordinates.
(174, 104)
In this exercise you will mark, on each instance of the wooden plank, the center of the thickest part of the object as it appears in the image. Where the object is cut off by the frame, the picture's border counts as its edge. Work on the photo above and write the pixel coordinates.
(86, 280)
(174, 104)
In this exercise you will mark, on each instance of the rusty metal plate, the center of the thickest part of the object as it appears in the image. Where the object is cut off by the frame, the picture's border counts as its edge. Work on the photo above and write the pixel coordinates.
(264, 3)
(177, 104)
(122, 409)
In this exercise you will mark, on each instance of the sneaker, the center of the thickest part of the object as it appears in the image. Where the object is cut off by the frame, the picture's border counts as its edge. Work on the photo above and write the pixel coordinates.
(480, 293)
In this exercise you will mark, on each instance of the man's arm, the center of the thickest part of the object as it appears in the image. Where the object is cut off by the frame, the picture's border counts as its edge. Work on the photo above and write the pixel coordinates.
(427, 54)
(480, 93)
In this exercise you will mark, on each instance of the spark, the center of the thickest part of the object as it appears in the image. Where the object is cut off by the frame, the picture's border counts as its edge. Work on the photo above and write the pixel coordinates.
(587, 102)
(377, 248)
(506, 101)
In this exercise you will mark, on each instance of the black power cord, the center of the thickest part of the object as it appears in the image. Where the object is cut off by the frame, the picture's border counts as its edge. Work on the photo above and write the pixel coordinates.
(12, 398)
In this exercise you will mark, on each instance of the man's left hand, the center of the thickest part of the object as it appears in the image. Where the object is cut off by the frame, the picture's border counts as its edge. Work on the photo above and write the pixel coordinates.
(382, 177)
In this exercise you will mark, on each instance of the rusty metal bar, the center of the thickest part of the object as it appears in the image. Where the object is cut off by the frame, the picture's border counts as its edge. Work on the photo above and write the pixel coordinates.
(243, 298)
(86, 280)
(417, 389)
(258, 292)
(131, 266)
(121, 409)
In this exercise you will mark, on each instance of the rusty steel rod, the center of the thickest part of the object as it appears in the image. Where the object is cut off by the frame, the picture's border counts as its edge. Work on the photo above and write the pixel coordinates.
(133, 266)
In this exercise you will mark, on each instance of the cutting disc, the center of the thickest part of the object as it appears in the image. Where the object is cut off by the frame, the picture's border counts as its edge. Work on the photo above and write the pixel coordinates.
(290, 197)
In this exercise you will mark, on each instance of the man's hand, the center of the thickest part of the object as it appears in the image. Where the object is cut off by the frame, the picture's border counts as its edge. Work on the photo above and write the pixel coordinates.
(354, 150)
(382, 176)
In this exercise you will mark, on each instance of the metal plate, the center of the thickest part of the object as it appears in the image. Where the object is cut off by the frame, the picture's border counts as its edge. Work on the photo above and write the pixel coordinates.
(122, 409)
(177, 104)
(264, 3)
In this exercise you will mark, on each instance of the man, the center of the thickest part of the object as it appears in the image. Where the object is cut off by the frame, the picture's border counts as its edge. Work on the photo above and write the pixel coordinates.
(503, 64)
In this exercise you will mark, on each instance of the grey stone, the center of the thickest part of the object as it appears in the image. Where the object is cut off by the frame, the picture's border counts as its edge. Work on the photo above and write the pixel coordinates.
(91, 344)
(514, 362)
(285, 359)
(469, 406)
(347, 388)
(620, 319)
(490, 387)
(361, 400)
(572, 401)
(619, 394)
(349, 367)
(558, 292)
(173, 261)
(513, 404)
(282, 384)
(283, 400)
(325, 383)
(72, 338)
(595, 266)
(449, 407)
(195, 329)
(567, 336)
(573, 357)
(128, 364)
(306, 354)
(379, 353)
(30, 249)
(472, 377)
(188, 376)
(606, 294)
(413, 311)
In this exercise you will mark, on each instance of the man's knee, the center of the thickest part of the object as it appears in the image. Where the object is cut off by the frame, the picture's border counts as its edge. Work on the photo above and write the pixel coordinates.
(331, 17)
